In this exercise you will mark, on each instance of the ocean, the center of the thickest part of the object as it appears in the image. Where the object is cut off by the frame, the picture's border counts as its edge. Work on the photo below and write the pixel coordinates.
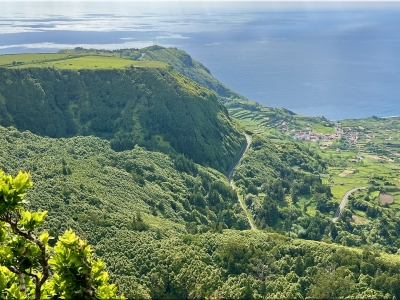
(338, 60)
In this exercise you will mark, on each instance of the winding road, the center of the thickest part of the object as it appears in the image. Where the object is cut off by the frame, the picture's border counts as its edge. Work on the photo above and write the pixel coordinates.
(229, 175)
(344, 201)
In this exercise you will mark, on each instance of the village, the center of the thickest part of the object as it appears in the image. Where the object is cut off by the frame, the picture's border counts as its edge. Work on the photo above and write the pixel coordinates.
(355, 137)
(350, 134)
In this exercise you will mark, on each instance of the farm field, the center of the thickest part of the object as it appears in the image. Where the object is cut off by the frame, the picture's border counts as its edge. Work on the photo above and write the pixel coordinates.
(347, 172)
(361, 153)
(7, 60)
(74, 62)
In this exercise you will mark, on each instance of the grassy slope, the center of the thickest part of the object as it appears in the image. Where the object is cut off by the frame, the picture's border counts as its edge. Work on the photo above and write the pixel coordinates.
(8, 59)
(178, 59)
(73, 62)
(94, 62)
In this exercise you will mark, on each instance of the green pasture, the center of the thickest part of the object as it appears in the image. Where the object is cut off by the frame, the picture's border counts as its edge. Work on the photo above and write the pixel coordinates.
(249, 124)
(323, 129)
(396, 199)
(359, 218)
(68, 62)
(339, 191)
(380, 172)
(7, 60)
(306, 200)
(360, 214)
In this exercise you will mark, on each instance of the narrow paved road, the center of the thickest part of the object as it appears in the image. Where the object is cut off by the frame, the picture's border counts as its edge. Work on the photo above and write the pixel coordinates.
(229, 175)
(232, 168)
(344, 201)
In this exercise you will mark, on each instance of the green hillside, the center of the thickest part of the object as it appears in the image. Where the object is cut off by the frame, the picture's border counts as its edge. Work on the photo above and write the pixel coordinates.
(253, 115)
(159, 224)
(82, 178)
(155, 108)
(129, 149)
(178, 59)
(186, 65)
(100, 193)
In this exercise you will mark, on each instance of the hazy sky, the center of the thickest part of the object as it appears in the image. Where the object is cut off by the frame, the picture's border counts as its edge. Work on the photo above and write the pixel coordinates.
(349, 1)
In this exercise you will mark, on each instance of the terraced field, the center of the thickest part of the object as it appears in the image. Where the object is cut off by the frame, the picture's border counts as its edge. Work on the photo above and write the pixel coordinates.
(367, 154)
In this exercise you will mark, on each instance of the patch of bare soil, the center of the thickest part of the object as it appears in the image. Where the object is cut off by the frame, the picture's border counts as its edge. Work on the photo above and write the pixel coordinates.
(346, 172)
(386, 198)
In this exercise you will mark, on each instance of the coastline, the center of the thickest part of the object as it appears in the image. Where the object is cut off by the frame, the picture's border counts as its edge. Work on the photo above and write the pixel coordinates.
(390, 117)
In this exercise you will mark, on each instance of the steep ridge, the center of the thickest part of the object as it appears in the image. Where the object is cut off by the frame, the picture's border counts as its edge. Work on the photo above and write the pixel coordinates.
(186, 65)
(180, 61)
(159, 109)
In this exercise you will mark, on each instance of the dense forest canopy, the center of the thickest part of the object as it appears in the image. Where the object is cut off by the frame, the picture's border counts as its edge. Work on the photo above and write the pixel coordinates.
(30, 267)
(157, 221)
(155, 108)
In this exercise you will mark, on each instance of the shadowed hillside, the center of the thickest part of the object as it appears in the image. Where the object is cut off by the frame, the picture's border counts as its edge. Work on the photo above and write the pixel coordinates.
(155, 108)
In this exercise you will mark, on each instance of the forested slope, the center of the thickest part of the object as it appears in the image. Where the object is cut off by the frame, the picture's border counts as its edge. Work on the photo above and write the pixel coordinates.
(279, 183)
(103, 194)
(159, 109)
(83, 181)
(157, 222)
(253, 265)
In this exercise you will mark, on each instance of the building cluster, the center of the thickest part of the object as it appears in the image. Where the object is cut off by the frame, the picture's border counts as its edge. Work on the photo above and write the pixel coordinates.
(351, 135)
(357, 137)
(311, 136)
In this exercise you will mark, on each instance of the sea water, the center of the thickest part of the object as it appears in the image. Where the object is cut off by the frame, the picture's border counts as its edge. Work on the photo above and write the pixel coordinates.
(335, 60)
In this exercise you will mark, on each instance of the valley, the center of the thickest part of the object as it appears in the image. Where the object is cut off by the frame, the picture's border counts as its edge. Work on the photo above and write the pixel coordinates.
(358, 153)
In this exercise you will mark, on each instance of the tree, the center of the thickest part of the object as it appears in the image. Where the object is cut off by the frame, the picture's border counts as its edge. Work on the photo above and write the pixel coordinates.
(30, 267)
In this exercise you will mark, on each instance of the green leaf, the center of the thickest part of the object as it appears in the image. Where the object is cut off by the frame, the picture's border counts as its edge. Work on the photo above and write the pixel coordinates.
(15, 293)
(69, 238)
(44, 237)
